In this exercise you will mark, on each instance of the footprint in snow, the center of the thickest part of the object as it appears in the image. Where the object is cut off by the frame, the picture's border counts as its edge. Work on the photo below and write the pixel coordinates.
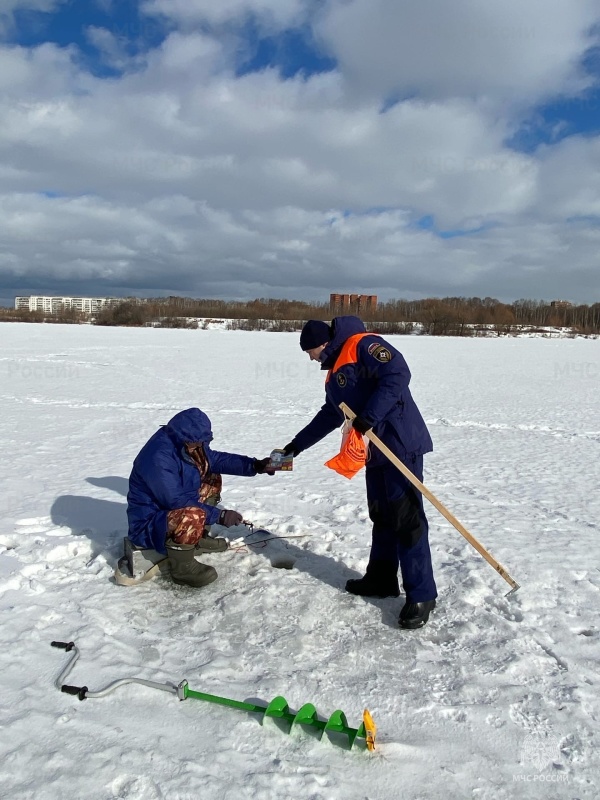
(41, 525)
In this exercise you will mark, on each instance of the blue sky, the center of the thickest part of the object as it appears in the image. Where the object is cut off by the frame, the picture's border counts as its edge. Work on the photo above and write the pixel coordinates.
(563, 117)
(441, 140)
(69, 23)
(290, 51)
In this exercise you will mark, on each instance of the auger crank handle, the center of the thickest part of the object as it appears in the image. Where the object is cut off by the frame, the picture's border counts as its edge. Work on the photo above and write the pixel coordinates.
(80, 691)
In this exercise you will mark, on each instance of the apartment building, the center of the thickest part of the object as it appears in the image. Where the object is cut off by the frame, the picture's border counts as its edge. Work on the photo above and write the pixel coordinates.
(352, 304)
(54, 305)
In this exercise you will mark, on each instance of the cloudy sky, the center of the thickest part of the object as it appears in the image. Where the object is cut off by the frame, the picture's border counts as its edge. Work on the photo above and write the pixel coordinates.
(289, 148)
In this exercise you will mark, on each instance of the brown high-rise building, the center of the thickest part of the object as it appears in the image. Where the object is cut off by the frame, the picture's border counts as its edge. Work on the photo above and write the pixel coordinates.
(361, 304)
(561, 304)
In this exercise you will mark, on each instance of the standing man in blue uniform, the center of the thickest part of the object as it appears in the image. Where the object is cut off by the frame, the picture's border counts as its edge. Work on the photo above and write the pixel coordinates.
(372, 377)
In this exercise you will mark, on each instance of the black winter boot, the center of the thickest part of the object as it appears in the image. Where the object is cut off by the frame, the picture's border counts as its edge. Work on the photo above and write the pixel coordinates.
(185, 570)
(415, 615)
(379, 581)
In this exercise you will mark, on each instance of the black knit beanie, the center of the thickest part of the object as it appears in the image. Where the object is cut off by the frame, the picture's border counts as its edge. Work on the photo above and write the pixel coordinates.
(314, 334)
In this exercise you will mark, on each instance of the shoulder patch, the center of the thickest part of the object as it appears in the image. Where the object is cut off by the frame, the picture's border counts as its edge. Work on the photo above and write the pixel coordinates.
(341, 379)
(381, 353)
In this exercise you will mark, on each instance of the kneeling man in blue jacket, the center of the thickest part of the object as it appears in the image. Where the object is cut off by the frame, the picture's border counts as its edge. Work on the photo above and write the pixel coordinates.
(174, 488)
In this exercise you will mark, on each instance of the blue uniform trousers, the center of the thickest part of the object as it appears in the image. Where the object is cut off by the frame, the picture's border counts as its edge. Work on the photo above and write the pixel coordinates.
(400, 528)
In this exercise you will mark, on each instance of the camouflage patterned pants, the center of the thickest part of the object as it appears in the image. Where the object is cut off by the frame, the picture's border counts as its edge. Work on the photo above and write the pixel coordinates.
(188, 525)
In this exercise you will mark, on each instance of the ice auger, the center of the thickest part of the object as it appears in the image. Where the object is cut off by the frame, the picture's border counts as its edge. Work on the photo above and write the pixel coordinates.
(278, 707)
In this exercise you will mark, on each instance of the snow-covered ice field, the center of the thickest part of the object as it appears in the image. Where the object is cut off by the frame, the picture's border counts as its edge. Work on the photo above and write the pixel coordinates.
(495, 698)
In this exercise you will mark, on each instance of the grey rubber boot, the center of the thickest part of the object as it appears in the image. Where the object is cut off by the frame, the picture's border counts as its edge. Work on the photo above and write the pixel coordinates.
(210, 544)
(185, 570)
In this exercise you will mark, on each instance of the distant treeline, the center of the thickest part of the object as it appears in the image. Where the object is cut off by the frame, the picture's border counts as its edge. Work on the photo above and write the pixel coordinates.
(448, 316)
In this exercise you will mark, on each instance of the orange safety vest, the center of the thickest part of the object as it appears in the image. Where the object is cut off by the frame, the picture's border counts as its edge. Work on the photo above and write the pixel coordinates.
(348, 353)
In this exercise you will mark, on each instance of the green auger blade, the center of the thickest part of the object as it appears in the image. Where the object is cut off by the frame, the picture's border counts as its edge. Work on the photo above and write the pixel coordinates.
(307, 716)
(278, 708)
(338, 723)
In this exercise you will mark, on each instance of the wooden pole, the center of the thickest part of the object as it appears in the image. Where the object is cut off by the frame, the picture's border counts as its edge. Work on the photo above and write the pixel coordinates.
(433, 499)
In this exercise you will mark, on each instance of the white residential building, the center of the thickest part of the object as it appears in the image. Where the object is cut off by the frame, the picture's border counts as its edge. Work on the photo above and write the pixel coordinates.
(54, 305)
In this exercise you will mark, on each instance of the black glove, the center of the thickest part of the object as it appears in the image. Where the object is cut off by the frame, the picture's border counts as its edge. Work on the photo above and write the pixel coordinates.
(230, 518)
(261, 464)
(361, 425)
(291, 449)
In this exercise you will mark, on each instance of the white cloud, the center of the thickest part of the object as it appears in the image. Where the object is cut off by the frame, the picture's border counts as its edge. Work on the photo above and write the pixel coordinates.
(258, 142)
(42, 74)
(9, 6)
(277, 14)
(569, 183)
(178, 245)
(504, 52)
(112, 48)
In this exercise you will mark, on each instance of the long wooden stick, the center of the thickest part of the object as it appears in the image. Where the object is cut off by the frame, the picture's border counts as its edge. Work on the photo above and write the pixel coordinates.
(433, 499)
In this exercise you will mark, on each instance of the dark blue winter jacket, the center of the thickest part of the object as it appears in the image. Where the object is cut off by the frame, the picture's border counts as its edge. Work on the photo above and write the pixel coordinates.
(164, 477)
(372, 377)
